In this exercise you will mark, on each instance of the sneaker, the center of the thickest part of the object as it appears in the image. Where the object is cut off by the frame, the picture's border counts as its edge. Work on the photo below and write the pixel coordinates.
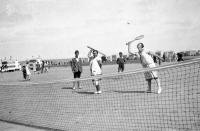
(79, 87)
(99, 92)
(73, 88)
(159, 90)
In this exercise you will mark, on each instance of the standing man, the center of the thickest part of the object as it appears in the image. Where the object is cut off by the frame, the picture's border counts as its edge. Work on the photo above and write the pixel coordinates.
(76, 65)
(95, 68)
(120, 61)
(179, 57)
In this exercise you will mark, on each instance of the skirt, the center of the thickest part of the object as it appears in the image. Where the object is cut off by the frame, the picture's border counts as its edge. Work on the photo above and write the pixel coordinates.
(151, 74)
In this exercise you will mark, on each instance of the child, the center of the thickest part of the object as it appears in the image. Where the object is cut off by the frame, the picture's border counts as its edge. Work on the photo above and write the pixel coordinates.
(26, 72)
(120, 62)
(95, 68)
(147, 62)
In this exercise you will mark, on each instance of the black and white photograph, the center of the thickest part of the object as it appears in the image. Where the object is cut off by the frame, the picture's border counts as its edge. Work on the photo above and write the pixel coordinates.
(99, 65)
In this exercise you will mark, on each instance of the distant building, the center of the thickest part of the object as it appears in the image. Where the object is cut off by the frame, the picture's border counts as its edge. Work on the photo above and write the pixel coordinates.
(85, 60)
(169, 56)
(125, 56)
(68, 60)
(109, 58)
(191, 53)
(132, 56)
(114, 57)
(159, 53)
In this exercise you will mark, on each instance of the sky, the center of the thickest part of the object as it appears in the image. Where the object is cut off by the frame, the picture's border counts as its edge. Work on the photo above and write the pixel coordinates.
(56, 28)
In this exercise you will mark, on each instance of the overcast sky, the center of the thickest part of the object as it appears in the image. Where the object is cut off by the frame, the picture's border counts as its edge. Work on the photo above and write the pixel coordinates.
(56, 28)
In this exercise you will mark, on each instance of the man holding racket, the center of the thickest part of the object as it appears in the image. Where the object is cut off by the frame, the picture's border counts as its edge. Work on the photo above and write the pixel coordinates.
(95, 68)
(147, 62)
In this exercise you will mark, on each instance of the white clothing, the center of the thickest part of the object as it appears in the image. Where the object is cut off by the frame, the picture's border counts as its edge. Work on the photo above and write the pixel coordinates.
(151, 74)
(146, 59)
(94, 66)
(27, 71)
(34, 67)
(147, 62)
(77, 59)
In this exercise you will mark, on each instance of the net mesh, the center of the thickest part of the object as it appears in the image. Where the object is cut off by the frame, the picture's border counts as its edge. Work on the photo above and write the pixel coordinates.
(123, 105)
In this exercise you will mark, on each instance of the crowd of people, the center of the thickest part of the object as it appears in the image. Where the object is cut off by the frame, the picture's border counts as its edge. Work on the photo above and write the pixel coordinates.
(37, 69)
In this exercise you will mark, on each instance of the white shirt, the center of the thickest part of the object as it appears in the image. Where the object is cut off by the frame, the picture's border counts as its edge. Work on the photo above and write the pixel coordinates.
(27, 71)
(146, 59)
(94, 66)
(34, 67)
(77, 59)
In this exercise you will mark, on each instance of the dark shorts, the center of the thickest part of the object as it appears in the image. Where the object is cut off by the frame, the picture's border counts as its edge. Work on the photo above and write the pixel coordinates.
(24, 75)
(77, 74)
(121, 67)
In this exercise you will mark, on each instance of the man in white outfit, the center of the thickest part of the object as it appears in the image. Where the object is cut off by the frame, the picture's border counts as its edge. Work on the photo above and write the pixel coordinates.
(95, 68)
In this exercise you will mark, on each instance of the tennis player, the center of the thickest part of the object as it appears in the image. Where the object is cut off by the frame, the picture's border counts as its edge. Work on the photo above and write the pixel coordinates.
(76, 65)
(95, 68)
(147, 62)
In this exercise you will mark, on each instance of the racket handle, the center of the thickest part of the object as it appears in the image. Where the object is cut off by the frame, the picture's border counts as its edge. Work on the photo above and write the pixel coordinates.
(128, 43)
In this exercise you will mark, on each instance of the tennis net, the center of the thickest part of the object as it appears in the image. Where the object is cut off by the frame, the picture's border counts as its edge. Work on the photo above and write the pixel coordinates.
(123, 105)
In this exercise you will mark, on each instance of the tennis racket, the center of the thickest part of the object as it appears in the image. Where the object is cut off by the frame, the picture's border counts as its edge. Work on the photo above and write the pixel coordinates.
(97, 50)
(136, 38)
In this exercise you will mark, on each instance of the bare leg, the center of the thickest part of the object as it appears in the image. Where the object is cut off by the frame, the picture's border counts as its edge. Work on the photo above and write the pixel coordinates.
(97, 87)
(159, 87)
(28, 77)
(74, 84)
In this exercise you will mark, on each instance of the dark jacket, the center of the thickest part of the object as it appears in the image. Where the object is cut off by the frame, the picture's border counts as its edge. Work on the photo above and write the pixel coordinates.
(76, 65)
